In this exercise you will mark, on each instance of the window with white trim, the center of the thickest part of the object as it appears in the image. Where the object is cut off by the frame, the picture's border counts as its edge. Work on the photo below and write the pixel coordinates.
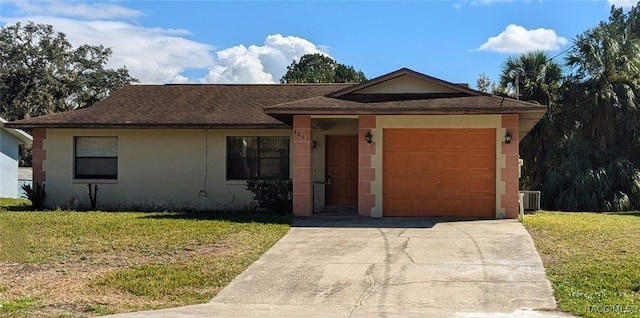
(257, 158)
(96, 158)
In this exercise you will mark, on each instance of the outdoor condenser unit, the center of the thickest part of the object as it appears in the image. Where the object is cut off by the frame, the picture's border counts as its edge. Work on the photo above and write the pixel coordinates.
(531, 200)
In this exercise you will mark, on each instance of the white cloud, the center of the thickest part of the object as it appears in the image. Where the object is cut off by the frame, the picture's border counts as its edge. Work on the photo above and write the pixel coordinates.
(259, 64)
(488, 2)
(517, 39)
(622, 3)
(157, 55)
(76, 9)
(153, 55)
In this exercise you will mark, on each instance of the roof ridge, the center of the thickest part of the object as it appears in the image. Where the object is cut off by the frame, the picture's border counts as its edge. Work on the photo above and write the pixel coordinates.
(253, 85)
(518, 101)
(294, 101)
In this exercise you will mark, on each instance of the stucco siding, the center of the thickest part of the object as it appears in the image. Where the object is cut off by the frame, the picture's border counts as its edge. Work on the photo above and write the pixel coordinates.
(157, 169)
(406, 84)
(8, 165)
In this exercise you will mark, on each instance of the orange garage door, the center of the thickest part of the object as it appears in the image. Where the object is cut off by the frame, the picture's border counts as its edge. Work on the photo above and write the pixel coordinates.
(439, 172)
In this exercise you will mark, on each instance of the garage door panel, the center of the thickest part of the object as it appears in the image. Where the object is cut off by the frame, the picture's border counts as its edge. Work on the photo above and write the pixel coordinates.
(403, 184)
(407, 185)
(469, 182)
(406, 204)
(439, 172)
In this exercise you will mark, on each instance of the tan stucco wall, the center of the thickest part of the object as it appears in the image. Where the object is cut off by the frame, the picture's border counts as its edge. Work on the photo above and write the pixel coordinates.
(405, 84)
(435, 122)
(157, 168)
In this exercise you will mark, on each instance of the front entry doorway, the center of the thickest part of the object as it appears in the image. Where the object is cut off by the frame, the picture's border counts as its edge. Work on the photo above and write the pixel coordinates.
(342, 170)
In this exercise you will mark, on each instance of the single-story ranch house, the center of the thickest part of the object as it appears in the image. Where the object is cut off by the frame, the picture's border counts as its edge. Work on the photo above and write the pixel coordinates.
(403, 144)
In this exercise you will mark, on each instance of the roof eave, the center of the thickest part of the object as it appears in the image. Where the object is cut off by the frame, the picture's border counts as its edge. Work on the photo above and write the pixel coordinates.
(22, 136)
(528, 116)
(150, 126)
(405, 111)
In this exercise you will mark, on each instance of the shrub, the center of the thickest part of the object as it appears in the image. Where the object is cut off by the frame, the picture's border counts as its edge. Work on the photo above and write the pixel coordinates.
(36, 195)
(273, 195)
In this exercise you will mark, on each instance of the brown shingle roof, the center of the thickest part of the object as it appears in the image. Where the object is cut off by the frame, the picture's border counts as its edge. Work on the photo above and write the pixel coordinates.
(403, 105)
(183, 106)
(272, 106)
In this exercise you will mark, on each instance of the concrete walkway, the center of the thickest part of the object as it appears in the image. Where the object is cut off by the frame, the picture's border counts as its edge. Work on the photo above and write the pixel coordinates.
(390, 267)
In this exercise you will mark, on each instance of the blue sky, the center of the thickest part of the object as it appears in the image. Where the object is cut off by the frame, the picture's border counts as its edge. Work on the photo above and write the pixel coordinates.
(253, 41)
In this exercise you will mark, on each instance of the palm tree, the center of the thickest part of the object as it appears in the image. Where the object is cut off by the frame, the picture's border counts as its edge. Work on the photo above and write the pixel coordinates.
(596, 167)
(535, 77)
(605, 83)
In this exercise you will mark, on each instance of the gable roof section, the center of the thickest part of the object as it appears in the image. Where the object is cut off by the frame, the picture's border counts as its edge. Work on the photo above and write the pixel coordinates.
(406, 92)
(22, 136)
(529, 113)
(183, 106)
(444, 87)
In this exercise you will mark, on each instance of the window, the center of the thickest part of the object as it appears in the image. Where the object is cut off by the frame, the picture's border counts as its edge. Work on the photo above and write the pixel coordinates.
(257, 158)
(96, 158)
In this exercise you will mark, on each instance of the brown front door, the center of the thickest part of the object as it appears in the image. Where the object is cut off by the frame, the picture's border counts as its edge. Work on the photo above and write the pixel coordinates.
(342, 169)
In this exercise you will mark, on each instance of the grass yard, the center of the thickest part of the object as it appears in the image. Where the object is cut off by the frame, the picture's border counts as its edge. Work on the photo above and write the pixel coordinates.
(593, 261)
(81, 264)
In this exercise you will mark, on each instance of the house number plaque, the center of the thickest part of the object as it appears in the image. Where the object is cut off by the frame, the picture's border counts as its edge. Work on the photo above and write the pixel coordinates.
(301, 135)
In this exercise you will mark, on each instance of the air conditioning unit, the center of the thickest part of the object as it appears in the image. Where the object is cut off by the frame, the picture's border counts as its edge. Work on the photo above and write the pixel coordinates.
(531, 201)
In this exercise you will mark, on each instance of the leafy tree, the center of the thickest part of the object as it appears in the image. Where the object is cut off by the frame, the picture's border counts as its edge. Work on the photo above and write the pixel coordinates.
(596, 167)
(41, 73)
(485, 84)
(318, 68)
(535, 77)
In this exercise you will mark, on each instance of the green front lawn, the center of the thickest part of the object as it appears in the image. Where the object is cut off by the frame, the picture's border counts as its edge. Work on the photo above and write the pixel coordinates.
(14, 204)
(592, 259)
(63, 263)
(66, 263)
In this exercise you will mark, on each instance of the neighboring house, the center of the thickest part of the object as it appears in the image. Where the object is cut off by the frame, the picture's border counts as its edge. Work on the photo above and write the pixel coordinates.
(403, 144)
(25, 176)
(10, 138)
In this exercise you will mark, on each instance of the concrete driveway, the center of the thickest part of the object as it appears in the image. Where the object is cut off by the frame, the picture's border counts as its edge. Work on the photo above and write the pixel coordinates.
(389, 267)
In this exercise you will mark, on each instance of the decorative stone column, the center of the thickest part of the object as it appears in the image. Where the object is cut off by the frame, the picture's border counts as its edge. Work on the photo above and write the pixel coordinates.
(511, 152)
(302, 166)
(366, 173)
(39, 156)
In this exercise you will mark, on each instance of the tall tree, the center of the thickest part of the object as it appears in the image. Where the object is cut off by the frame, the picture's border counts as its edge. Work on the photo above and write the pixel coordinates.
(485, 84)
(318, 68)
(596, 168)
(41, 73)
(532, 76)
(535, 77)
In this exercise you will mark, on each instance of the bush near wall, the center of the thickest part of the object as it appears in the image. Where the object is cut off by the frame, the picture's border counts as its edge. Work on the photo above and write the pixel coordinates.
(273, 195)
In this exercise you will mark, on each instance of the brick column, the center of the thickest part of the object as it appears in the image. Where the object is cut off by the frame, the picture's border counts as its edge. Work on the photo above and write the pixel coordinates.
(39, 156)
(366, 173)
(302, 166)
(511, 152)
